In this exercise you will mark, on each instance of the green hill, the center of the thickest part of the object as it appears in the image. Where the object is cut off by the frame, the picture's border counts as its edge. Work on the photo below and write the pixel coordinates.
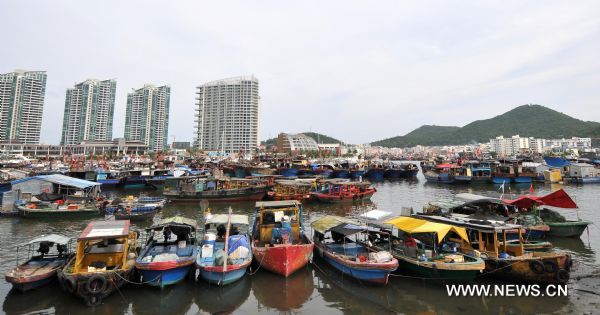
(526, 120)
(320, 138)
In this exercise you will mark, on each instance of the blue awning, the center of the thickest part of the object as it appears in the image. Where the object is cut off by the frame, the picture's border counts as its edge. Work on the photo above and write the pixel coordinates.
(68, 181)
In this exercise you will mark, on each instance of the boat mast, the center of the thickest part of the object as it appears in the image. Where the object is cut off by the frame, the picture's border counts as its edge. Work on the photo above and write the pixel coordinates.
(227, 241)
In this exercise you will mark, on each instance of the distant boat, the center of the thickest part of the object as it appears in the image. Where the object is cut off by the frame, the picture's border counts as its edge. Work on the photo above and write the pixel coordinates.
(442, 174)
(196, 188)
(337, 191)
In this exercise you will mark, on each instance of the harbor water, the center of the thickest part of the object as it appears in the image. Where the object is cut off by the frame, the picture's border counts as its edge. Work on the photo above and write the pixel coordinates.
(318, 289)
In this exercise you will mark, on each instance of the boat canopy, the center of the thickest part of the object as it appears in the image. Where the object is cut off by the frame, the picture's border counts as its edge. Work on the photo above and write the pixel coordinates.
(222, 219)
(176, 220)
(478, 198)
(325, 223)
(278, 204)
(414, 225)
(51, 238)
(559, 199)
(375, 214)
(350, 229)
(105, 229)
(446, 165)
(61, 180)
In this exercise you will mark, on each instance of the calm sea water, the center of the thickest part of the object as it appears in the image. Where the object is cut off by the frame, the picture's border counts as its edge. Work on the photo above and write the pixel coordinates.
(317, 288)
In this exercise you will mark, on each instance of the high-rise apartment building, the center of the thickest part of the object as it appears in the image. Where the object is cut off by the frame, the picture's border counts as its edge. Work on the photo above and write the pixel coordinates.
(227, 115)
(89, 108)
(22, 105)
(147, 116)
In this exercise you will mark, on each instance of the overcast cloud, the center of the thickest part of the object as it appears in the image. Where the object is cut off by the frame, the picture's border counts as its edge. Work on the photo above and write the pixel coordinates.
(356, 70)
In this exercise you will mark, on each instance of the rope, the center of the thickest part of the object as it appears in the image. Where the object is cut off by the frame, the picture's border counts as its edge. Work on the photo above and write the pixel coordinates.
(259, 265)
(132, 282)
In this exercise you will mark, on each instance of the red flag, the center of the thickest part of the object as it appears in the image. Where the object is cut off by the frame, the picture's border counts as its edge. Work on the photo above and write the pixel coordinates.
(531, 189)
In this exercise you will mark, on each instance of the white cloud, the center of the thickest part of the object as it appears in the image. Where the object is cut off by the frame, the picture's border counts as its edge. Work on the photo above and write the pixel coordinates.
(358, 71)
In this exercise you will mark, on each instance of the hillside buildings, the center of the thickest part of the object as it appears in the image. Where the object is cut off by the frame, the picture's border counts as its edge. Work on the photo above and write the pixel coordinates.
(227, 115)
(89, 108)
(21, 106)
(147, 116)
(517, 145)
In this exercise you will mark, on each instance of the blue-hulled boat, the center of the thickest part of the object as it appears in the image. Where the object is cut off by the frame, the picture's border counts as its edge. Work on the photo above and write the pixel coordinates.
(170, 260)
(352, 258)
(442, 174)
(375, 172)
(288, 171)
(108, 178)
(225, 253)
(356, 174)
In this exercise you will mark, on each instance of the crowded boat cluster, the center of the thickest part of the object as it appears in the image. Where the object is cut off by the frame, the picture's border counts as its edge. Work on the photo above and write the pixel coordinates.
(465, 238)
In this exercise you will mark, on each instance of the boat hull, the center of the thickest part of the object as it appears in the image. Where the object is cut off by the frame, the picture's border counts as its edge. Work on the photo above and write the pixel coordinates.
(143, 216)
(245, 195)
(375, 273)
(434, 271)
(288, 172)
(217, 275)
(40, 213)
(165, 274)
(327, 198)
(375, 174)
(567, 229)
(523, 179)
(284, 259)
(78, 284)
(523, 270)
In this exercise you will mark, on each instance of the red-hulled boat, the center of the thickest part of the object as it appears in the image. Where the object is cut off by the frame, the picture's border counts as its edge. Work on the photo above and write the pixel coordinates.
(278, 240)
(344, 191)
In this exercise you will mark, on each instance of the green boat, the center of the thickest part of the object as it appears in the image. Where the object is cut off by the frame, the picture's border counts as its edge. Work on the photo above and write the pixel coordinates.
(530, 246)
(436, 259)
(561, 227)
(43, 211)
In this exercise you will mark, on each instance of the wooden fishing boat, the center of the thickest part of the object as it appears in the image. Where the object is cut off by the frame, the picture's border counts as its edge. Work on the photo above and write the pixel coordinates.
(425, 248)
(49, 210)
(530, 246)
(168, 261)
(136, 216)
(290, 190)
(442, 174)
(375, 172)
(361, 262)
(225, 253)
(561, 227)
(278, 240)
(344, 191)
(105, 260)
(196, 188)
(512, 263)
(40, 269)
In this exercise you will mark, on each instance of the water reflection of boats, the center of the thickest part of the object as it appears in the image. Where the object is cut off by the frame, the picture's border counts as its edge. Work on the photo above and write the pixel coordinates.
(573, 245)
(34, 302)
(221, 299)
(174, 299)
(283, 294)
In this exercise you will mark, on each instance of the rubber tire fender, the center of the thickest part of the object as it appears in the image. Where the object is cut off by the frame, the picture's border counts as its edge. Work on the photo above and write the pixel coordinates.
(562, 276)
(550, 266)
(98, 289)
(536, 266)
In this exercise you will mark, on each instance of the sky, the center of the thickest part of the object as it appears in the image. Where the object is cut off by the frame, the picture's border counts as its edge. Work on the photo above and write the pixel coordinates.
(359, 71)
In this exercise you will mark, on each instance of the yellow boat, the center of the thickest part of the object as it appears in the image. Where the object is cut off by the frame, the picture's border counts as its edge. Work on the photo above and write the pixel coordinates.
(106, 252)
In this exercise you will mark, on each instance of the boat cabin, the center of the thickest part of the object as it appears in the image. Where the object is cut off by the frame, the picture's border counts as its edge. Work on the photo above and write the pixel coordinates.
(104, 245)
(278, 222)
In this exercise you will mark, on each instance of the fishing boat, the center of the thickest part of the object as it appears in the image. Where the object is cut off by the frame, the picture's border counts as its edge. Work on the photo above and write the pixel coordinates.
(400, 169)
(225, 253)
(336, 191)
(105, 260)
(48, 210)
(425, 248)
(291, 190)
(352, 258)
(109, 177)
(279, 243)
(512, 263)
(375, 172)
(196, 188)
(557, 224)
(40, 269)
(170, 252)
(504, 171)
(441, 174)
(530, 245)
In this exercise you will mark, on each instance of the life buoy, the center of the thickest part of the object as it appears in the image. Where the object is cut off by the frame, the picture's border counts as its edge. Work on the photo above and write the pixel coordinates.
(96, 284)
(562, 276)
(550, 266)
(536, 266)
